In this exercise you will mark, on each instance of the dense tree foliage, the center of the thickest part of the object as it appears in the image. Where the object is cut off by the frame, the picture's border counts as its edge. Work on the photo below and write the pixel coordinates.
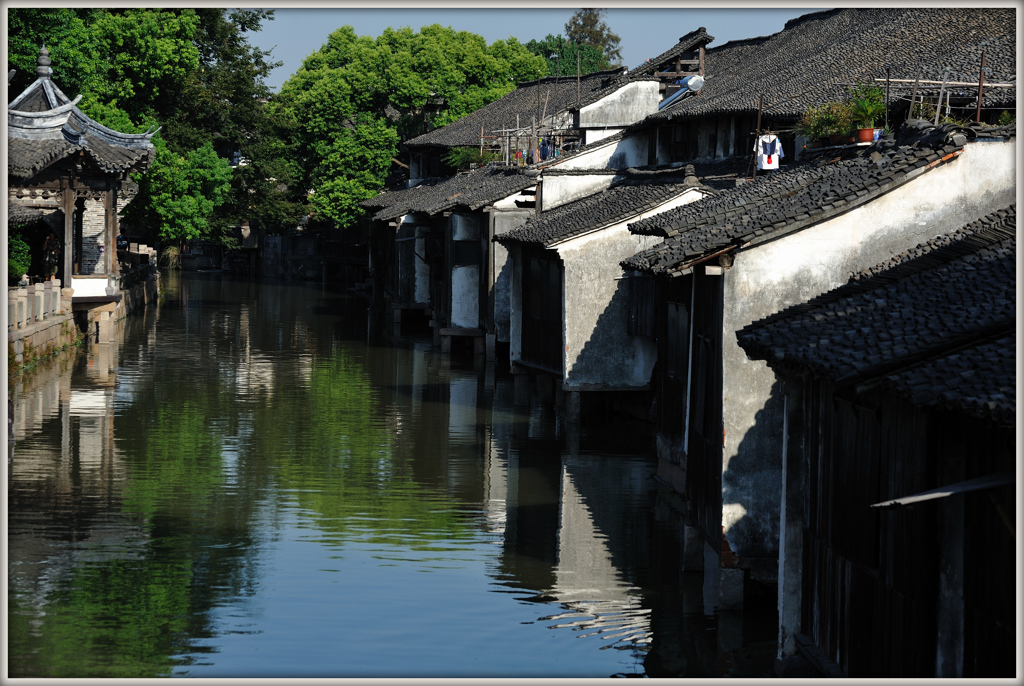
(561, 56)
(180, 193)
(352, 101)
(587, 27)
(191, 72)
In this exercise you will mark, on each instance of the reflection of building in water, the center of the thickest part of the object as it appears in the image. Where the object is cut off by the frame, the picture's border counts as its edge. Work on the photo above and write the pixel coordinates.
(65, 466)
(599, 601)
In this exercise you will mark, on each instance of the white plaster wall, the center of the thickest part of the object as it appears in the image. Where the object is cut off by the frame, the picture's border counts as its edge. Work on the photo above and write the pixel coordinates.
(559, 190)
(619, 154)
(465, 305)
(598, 134)
(502, 270)
(625, 106)
(515, 347)
(465, 296)
(597, 348)
(465, 228)
(89, 286)
(422, 268)
(770, 277)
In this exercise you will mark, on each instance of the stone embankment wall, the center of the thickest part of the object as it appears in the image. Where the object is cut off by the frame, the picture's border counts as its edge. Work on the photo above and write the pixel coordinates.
(39, 323)
(41, 319)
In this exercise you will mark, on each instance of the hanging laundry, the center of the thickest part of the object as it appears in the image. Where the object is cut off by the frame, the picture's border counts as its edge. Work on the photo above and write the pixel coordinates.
(769, 150)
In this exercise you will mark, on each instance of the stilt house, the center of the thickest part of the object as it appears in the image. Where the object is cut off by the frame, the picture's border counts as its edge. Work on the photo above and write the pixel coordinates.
(747, 252)
(569, 314)
(899, 462)
(925, 54)
(432, 250)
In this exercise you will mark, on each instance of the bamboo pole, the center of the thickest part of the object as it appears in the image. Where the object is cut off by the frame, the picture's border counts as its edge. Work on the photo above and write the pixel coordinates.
(938, 104)
(981, 84)
(887, 97)
(757, 134)
(913, 96)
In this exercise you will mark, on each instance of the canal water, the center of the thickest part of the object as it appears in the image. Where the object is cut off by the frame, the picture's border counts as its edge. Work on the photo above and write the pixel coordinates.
(258, 480)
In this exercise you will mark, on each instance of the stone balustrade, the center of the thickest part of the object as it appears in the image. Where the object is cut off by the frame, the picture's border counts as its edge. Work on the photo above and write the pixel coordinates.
(34, 303)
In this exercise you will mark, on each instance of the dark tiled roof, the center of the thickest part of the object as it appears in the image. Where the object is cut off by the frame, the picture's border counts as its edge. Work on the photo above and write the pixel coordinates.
(526, 101)
(788, 200)
(636, 191)
(44, 126)
(935, 323)
(20, 214)
(979, 380)
(805, 64)
(687, 44)
(473, 189)
(26, 157)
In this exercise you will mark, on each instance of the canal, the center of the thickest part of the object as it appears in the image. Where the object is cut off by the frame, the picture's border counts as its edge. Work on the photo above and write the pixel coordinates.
(258, 480)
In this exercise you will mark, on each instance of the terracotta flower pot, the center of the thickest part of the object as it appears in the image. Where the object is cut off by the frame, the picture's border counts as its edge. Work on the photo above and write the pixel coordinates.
(866, 135)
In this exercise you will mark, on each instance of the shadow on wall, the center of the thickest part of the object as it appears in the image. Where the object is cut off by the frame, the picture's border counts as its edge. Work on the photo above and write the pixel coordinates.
(502, 302)
(610, 355)
(752, 484)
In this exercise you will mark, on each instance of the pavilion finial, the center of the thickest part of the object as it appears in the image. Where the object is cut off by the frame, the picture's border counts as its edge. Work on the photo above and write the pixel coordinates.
(43, 63)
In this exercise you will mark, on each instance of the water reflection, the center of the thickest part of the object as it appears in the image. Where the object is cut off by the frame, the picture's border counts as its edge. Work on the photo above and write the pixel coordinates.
(253, 482)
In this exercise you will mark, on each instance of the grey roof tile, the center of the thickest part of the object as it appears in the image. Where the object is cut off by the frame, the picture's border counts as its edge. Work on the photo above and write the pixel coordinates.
(687, 44)
(44, 126)
(790, 199)
(634, 191)
(539, 99)
(935, 323)
(807, 62)
(472, 189)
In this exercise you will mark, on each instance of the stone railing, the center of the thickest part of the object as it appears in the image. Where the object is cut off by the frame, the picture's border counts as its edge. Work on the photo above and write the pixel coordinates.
(34, 303)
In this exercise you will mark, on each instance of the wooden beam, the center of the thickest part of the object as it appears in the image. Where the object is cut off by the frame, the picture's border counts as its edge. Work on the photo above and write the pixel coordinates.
(937, 83)
(674, 74)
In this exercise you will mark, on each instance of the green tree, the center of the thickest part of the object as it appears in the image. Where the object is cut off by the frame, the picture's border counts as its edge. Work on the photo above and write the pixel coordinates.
(560, 56)
(353, 100)
(587, 27)
(190, 71)
(180, 192)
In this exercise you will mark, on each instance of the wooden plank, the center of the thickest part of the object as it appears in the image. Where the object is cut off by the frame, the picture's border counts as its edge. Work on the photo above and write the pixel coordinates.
(980, 483)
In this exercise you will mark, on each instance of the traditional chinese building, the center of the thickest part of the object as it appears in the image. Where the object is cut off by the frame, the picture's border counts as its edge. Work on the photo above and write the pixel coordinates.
(60, 161)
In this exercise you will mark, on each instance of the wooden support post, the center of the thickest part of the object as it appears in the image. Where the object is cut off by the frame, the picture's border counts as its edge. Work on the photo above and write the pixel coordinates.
(68, 205)
(938, 105)
(913, 97)
(702, 60)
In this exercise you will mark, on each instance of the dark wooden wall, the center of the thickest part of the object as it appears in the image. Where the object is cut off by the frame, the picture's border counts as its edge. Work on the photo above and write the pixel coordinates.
(704, 449)
(542, 310)
(872, 576)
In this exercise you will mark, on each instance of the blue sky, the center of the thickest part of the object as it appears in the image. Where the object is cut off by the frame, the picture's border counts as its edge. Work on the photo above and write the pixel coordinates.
(644, 33)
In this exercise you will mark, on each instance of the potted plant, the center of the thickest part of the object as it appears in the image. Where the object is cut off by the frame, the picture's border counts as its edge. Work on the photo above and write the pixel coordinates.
(867, 105)
(865, 113)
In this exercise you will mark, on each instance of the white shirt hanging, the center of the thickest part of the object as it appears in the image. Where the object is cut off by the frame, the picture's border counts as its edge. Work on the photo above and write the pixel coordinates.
(769, 151)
